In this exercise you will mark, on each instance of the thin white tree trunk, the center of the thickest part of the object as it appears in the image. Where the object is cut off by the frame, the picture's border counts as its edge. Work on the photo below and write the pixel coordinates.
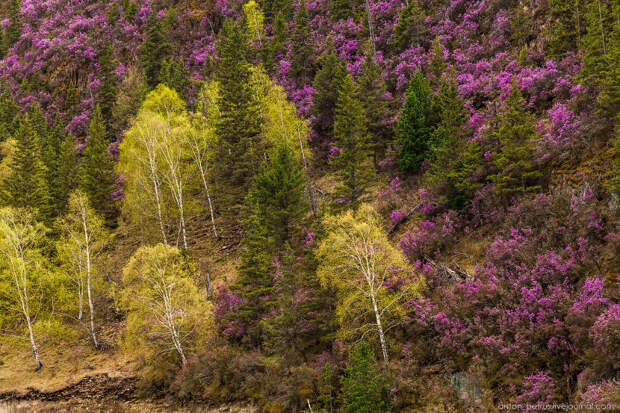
(93, 333)
(380, 330)
(35, 349)
(303, 157)
(204, 182)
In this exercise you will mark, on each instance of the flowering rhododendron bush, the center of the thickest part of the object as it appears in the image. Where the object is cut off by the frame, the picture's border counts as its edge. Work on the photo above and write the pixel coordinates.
(377, 205)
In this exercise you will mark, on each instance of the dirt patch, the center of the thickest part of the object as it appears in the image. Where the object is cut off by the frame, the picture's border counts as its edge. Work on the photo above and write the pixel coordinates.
(97, 387)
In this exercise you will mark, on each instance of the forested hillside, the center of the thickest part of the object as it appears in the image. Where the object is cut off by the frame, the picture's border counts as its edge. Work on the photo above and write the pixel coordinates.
(313, 205)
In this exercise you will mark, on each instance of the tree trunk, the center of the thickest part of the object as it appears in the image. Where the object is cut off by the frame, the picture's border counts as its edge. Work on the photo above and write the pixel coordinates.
(204, 182)
(93, 334)
(380, 331)
(35, 349)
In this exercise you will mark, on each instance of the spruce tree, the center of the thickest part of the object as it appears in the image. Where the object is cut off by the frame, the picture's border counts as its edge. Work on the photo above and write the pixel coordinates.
(254, 283)
(174, 75)
(411, 28)
(277, 44)
(14, 30)
(8, 113)
(326, 86)
(240, 146)
(351, 135)
(375, 100)
(26, 186)
(97, 177)
(517, 170)
(567, 24)
(302, 53)
(107, 90)
(279, 191)
(449, 145)
(68, 173)
(361, 384)
(415, 125)
(598, 41)
(155, 49)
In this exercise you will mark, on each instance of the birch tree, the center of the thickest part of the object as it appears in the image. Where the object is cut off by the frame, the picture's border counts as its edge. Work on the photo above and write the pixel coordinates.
(84, 236)
(165, 308)
(21, 266)
(357, 259)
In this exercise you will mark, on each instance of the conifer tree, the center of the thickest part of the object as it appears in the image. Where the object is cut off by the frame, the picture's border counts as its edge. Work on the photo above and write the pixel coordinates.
(174, 75)
(437, 63)
(449, 144)
(238, 129)
(517, 171)
(68, 175)
(598, 41)
(14, 29)
(411, 29)
(351, 135)
(414, 125)
(279, 191)
(8, 113)
(362, 384)
(155, 49)
(97, 177)
(26, 187)
(375, 100)
(107, 90)
(277, 43)
(326, 85)
(302, 53)
(254, 283)
(566, 26)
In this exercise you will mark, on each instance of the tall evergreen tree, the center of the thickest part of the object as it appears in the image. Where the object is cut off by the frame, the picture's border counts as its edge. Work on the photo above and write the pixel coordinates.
(362, 384)
(326, 86)
(277, 44)
(597, 43)
(68, 173)
(26, 187)
(239, 127)
(97, 177)
(449, 145)
(375, 100)
(155, 49)
(8, 113)
(279, 191)
(517, 171)
(415, 124)
(254, 283)
(351, 135)
(302, 53)
(411, 28)
(107, 90)
(174, 75)
(567, 25)
(14, 29)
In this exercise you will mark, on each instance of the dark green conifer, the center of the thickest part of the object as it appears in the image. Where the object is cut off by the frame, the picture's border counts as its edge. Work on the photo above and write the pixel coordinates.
(375, 100)
(97, 177)
(326, 86)
(517, 170)
(14, 29)
(107, 90)
(362, 387)
(302, 56)
(350, 131)
(155, 49)
(411, 28)
(174, 75)
(26, 186)
(240, 147)
(415, 124)
(279, 191)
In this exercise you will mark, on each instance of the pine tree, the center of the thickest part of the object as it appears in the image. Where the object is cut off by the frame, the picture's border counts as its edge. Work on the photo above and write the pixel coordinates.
(302, 53)
(174, 75)
(26, 187)
(415, 125)
(609, 97)
(411, 28)
(597, 42)
(254, 283)
(517, 171)
(107, 90)
(351, 135)
(68, 176)
(155, 49)
(375, 100)
(566, 26)
(97, 177)
(277, 43)
(449, 144)
(239, 131)
(362, 384)
(14, 30)
(279, 191)
(326, 86)
(437, 64)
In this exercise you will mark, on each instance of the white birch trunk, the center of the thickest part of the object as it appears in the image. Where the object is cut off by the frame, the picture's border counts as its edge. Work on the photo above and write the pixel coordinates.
(87, 256)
